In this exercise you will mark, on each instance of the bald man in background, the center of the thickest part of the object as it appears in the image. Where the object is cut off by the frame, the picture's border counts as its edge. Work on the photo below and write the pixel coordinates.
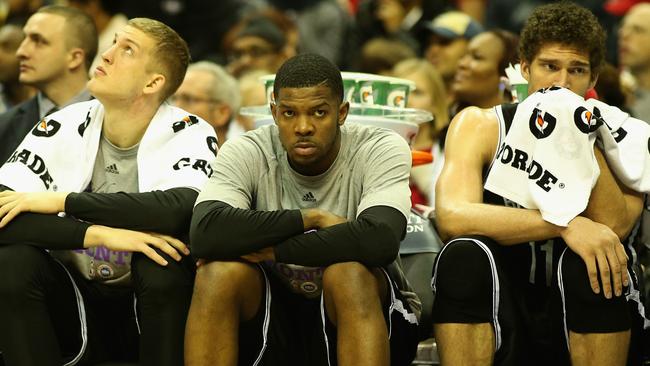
(212, 94)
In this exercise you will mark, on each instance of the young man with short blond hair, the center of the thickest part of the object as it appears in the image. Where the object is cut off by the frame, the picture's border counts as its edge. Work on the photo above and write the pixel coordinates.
(125, 169)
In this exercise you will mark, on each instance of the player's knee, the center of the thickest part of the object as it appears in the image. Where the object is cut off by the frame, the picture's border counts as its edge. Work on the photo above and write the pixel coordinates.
(160, 282)
(223, 279)
(350, 287)
(348, 278)
(464, 280)
(19, 268)
(586, 311)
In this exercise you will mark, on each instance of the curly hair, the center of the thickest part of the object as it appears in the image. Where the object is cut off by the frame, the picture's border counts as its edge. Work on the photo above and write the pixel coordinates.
(565, 23)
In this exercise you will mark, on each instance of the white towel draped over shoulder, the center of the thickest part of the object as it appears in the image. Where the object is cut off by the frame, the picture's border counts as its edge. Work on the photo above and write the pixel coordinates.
(546, 160)
(177, 150)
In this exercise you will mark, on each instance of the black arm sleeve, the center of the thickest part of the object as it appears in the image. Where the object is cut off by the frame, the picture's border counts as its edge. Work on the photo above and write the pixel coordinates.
(44, 231)
(166, 212)
(372, 239)
(222, 232)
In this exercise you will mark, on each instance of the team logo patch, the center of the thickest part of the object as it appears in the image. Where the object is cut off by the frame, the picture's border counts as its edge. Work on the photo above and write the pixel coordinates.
(308, 287)
(587, 121)
(212, 144)
(541, 126)
(186, 121)
(84, 125)
(46, 128)
(105, 271)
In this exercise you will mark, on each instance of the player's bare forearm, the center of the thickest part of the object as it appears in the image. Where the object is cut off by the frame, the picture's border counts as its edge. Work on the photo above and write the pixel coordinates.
(506, 225)
(611, 203)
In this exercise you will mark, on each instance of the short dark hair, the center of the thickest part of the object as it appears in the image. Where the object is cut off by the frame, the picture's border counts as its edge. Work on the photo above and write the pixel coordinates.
(306, 70)
(171, 53)
(564, 23)
(80, 30)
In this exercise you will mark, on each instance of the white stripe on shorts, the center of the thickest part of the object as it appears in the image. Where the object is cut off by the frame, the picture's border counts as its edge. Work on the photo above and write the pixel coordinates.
(495, 286)
(631, 295)
(395, 305)
(560, 283)
(82, 319)
(267, 317)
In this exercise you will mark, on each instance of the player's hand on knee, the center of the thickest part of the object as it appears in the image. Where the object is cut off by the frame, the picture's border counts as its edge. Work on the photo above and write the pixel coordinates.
(601, 250)
(13, 203)
(136, 241)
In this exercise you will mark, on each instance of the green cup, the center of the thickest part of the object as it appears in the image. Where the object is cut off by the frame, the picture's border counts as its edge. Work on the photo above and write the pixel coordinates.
(373, 91)
(268, 87)
(350, 91)
(398, 95)
(519, 92)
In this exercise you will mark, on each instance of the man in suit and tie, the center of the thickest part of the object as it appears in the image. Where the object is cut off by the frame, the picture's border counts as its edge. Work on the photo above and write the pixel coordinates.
(55, 56)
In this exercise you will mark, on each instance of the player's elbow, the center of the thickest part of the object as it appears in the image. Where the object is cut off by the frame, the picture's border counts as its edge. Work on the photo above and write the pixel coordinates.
(203, 244)
(380, 246)
(449, 222)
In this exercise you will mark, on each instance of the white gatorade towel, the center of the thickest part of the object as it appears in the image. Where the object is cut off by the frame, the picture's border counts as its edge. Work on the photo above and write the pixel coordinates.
(546, 160)
(59, 153)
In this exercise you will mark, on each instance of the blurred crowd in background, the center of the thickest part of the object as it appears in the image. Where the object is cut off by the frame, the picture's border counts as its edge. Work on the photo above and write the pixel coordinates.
(454, 51)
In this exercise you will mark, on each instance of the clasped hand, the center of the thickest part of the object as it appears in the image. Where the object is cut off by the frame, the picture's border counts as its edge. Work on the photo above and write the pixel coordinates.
(312, 219)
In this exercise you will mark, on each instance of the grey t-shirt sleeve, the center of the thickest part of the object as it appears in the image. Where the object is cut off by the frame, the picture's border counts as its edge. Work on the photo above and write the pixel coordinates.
(386, 175)
(236, 166)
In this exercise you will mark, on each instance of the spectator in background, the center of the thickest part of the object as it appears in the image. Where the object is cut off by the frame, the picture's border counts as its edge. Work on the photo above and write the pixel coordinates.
(203, 24)
(59, 46)
(252, 94)
(323, 26)
(209, 92)
(479, 80)
(108, 20)
(449, 34)
(380, 55)
(259, 43)
(634, 55)
(429, 95)
(609, 87)
(399, 19)
(18, 11)
(13, 91)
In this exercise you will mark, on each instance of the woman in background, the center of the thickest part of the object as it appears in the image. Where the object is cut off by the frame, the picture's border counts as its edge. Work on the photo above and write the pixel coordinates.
(480, 78)
(429, 95)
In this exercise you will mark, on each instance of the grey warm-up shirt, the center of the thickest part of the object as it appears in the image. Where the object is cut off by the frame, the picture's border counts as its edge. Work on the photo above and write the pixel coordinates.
(371, 169)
